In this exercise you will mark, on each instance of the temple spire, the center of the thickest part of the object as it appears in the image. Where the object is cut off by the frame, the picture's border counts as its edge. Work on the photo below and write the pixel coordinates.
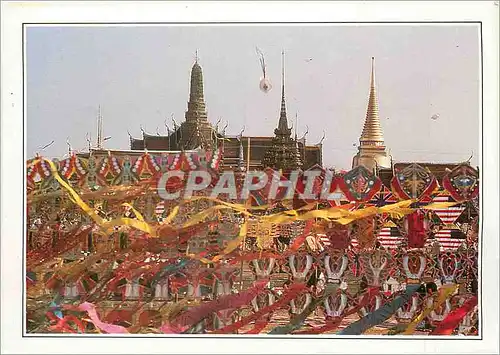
(196, 104)
(196, 131)
(371, 151)
(372, 130)
(283, 121)
(284, 154)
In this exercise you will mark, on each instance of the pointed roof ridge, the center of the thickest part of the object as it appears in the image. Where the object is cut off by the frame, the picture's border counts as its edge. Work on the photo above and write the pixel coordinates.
(372, 129)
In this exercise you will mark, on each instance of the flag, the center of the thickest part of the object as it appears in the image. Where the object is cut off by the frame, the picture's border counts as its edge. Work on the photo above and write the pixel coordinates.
(449, 239)
(449, 236)
(160, 208)
(383, 197)
(323, 240)
(389, 236)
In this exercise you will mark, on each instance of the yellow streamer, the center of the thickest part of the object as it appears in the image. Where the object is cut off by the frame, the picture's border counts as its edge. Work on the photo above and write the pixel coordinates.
(233, 244)
(444, 292)
(74, 195)
(172, 215)
(439, 205)
(141, 225)
(137, 213)
(398, 210)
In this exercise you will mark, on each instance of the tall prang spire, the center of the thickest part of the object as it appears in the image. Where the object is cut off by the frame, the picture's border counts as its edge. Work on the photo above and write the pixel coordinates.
(372, 130)
(283, 121)
(196, 105)
(371, 151)
(196, 131)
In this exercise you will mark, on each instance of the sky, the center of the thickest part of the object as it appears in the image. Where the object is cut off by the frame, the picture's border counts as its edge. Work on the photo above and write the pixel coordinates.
(140, 77)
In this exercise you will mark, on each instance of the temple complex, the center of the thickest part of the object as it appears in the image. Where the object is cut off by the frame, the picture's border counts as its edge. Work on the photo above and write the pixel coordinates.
(280, 152)
(196, 132)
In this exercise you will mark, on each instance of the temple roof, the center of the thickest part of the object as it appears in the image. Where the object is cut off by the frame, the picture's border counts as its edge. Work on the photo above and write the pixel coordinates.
(132, 152)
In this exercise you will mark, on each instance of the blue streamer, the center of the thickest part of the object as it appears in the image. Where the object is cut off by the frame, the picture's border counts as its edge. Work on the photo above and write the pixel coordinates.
(170, 269)
(381, 314)
(55, 307)
(298, 321)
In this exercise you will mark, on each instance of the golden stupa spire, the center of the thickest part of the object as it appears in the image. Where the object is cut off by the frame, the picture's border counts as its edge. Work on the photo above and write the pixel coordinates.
(372, 130)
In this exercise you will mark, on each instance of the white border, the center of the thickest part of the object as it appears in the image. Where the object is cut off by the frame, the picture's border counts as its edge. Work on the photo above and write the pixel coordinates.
(15, 13)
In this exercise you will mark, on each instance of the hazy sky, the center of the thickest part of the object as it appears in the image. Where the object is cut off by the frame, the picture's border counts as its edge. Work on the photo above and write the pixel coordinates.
(140, 76)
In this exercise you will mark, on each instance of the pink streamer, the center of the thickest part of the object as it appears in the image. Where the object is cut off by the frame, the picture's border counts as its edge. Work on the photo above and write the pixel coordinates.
(225, 302)
(105, 327)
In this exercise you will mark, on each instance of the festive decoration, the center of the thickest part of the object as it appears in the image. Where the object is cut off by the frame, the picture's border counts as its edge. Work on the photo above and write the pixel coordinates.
(105, 253)
(413, 182)
(462, 183)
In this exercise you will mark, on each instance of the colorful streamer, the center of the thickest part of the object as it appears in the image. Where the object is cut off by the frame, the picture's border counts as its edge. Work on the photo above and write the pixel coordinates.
(381, 314)
(225, 302)
(298, 320)
(91, 311)
(293, 291)
(444, 293)
(454, 318)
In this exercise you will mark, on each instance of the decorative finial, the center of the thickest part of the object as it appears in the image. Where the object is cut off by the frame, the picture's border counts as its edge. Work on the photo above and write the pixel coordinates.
(296, 124)
(470, 158)
(196, 56)
(322, 138)
(305, 134)
(88, 138)
(69, 146)
(99, 128)
(241, 133)
(217, 124)
(373, 72)
(283, 74)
